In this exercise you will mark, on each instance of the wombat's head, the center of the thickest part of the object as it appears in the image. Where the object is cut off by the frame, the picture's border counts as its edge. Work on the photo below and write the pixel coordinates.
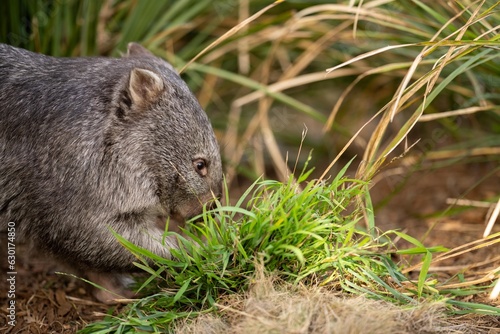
(159, 117)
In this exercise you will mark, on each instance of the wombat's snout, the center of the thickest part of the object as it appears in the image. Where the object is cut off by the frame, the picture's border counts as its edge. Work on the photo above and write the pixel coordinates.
(212, 204)
(209, 203)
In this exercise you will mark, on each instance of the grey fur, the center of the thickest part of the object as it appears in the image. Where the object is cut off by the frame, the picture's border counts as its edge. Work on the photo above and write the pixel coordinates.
(88, 144)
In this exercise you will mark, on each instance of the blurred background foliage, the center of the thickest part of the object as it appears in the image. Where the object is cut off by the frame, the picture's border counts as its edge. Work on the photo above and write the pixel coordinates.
(265, 85)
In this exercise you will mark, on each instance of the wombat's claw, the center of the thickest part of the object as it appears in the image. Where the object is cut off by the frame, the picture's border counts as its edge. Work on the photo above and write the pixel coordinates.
(111, 298)
(115, 288)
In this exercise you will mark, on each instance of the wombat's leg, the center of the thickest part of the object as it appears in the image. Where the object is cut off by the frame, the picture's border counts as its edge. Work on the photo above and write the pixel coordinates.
(108, 260)
(151, 238)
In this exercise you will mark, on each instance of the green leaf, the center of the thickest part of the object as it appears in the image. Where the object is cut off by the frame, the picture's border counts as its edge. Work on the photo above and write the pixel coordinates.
(422, 277)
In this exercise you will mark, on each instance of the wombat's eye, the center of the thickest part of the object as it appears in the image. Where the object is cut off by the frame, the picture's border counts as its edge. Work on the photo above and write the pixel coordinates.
(201, 167)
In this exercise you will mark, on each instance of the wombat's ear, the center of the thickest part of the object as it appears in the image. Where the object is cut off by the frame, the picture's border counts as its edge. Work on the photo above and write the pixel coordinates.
(134, 49)
(137, 50)
(145, 86)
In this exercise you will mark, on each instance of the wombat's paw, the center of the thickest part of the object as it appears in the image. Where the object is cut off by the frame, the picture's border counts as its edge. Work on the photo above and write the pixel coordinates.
(116, 287)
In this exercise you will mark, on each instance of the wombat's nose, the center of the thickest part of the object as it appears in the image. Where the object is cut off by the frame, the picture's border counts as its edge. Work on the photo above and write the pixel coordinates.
(216, 193)
(212, 204)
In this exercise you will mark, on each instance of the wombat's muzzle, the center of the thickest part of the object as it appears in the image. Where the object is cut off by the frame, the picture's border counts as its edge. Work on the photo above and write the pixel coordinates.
(177, 219)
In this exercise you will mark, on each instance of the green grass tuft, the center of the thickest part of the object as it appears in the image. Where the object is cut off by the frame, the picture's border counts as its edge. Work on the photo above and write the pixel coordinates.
(300, 234)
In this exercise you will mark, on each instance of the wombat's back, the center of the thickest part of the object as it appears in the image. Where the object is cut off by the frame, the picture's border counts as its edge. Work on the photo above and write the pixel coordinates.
(52, 115)
(45, 99)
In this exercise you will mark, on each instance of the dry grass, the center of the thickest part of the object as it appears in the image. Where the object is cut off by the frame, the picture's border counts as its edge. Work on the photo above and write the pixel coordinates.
(275, 307)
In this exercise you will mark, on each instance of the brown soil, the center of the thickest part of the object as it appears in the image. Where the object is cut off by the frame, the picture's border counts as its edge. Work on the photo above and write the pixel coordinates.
(45, 301)
(51, 303)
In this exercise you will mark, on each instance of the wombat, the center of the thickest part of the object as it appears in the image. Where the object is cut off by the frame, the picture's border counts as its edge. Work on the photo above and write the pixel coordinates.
(92, 144)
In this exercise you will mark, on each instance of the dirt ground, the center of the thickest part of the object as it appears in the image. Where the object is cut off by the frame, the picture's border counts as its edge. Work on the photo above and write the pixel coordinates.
(46, 302)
